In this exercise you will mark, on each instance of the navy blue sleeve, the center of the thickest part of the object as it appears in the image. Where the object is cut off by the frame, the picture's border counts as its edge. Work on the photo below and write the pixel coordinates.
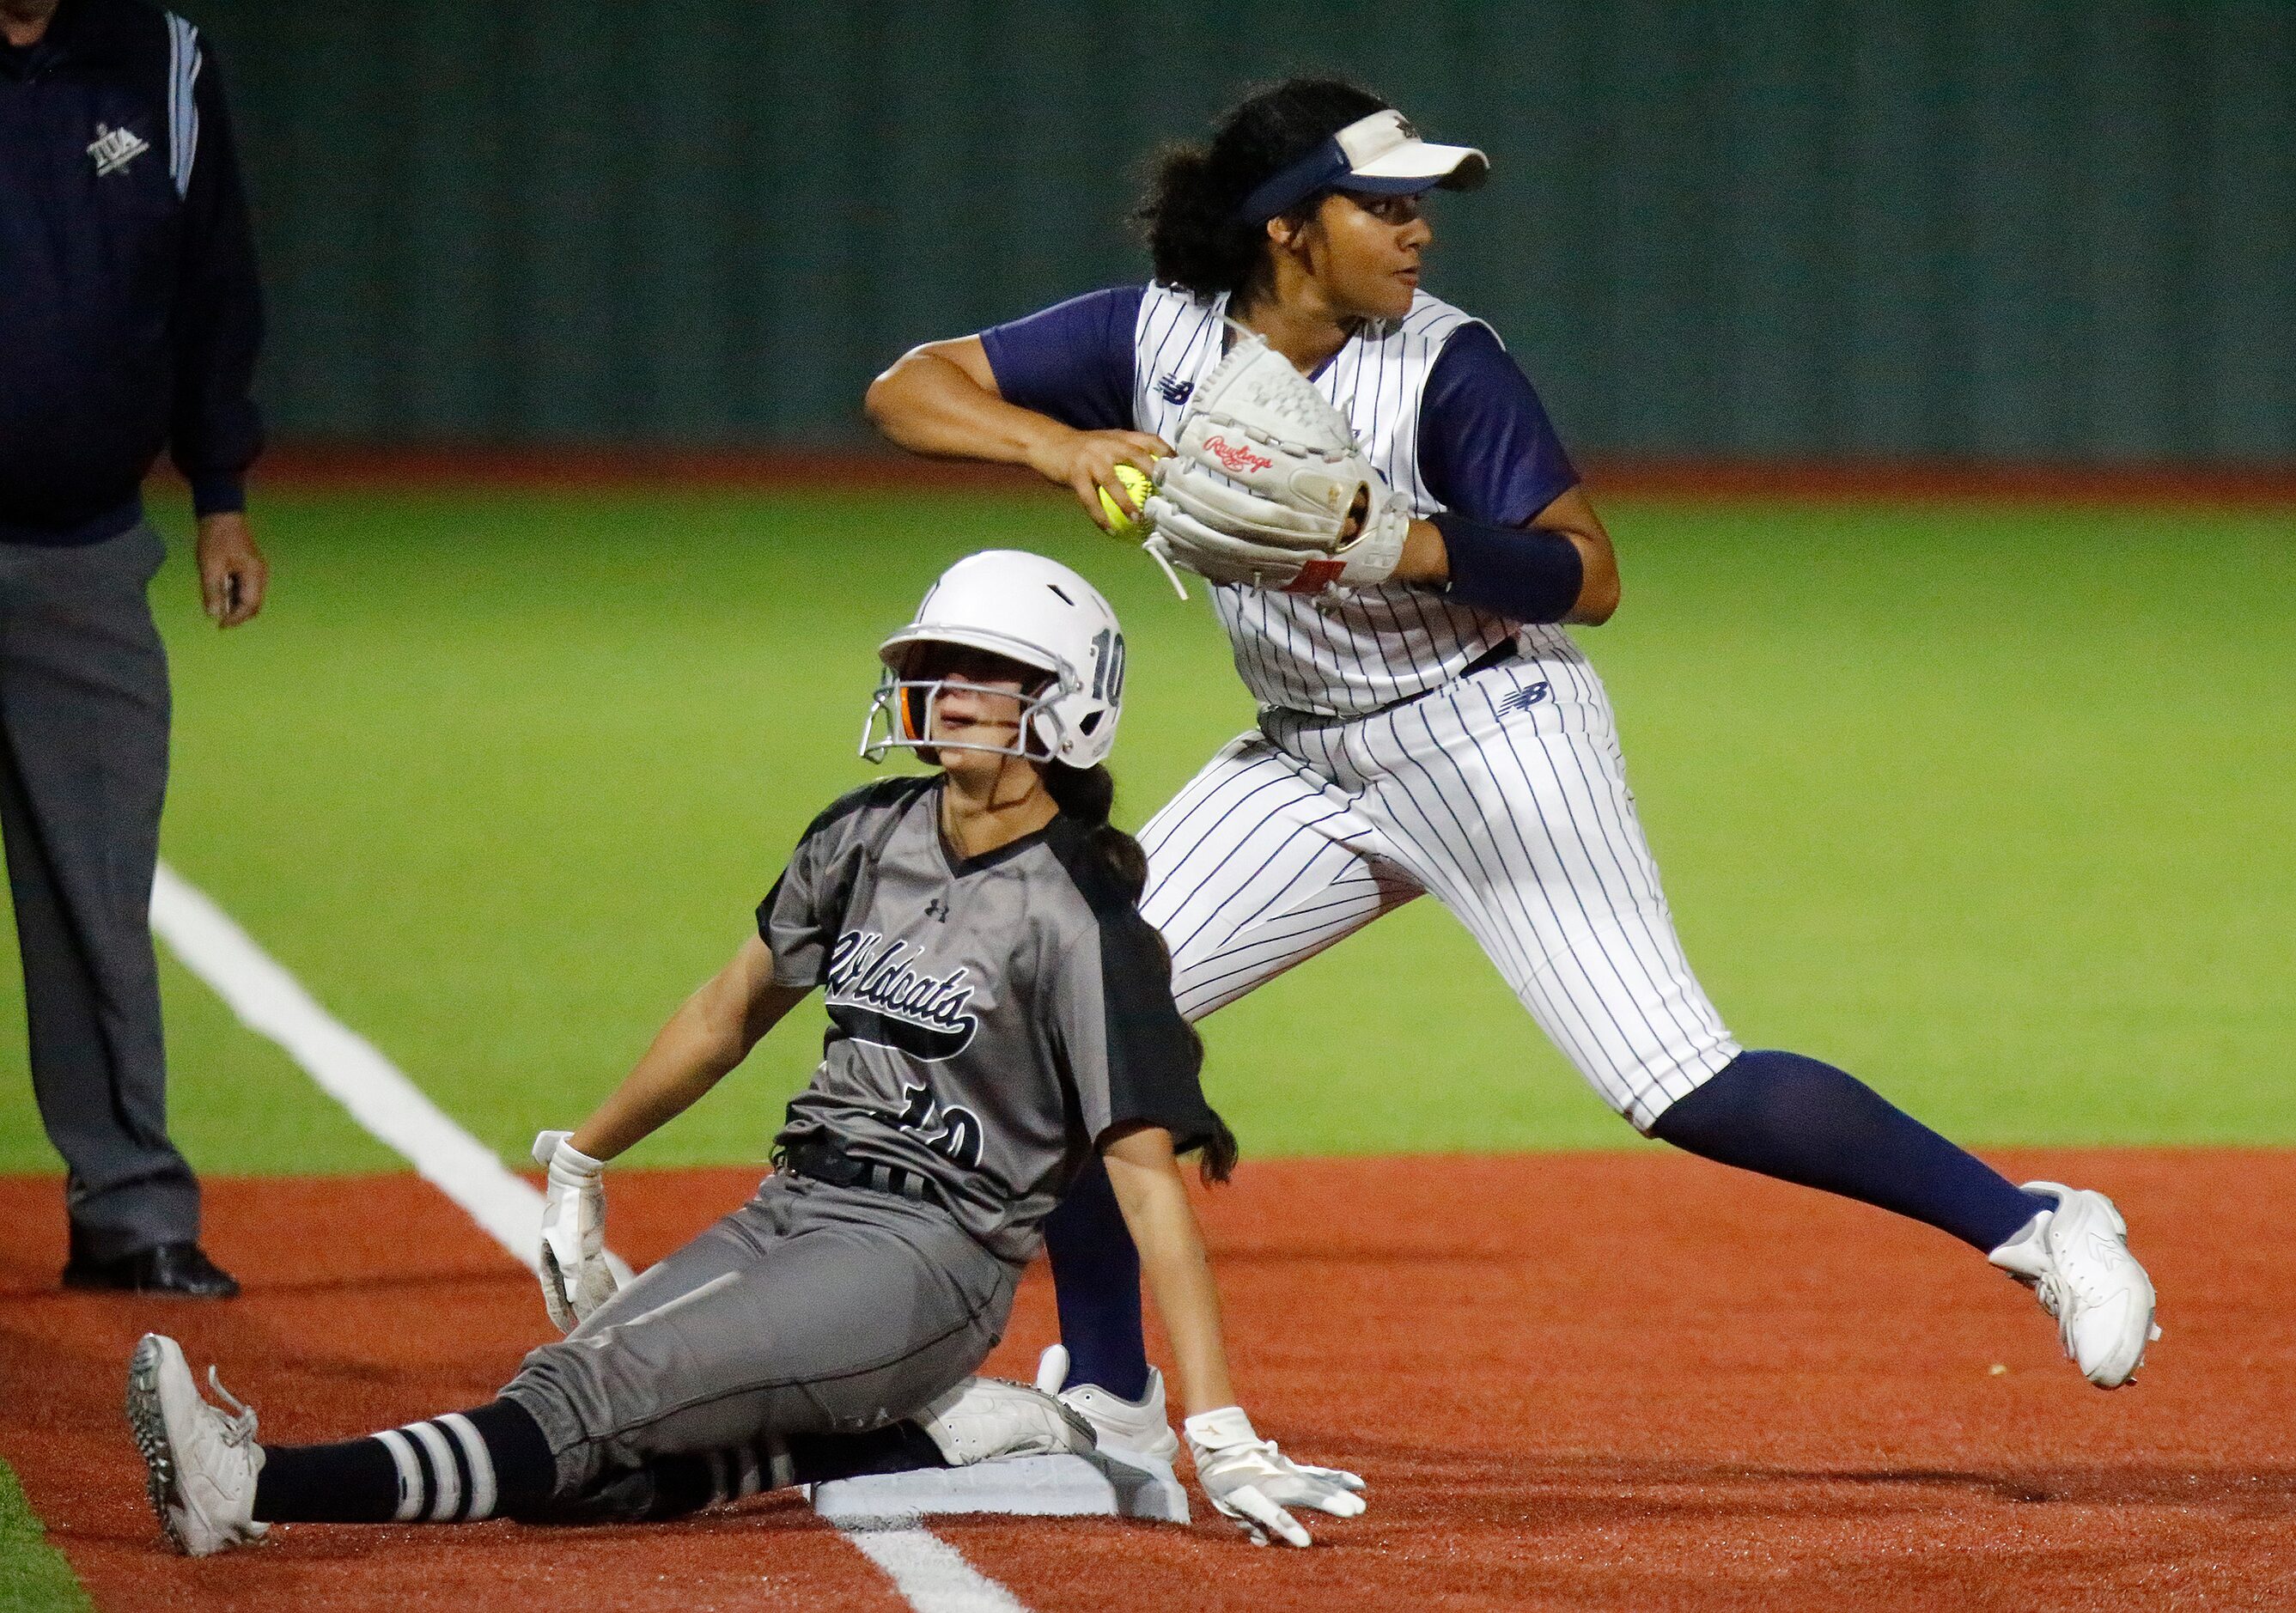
(1486, 446)
(1072, 361)
(215, 429)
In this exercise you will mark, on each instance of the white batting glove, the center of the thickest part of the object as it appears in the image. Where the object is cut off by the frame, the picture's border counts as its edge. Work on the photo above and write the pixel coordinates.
(576, 1278)
(1251, 1482)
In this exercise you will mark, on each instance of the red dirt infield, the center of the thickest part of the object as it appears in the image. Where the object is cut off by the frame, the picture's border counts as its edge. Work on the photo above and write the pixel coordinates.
(1627, 1381)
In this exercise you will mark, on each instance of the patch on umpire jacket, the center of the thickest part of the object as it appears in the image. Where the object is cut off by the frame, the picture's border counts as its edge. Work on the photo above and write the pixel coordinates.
(114, 149)
(877, 994)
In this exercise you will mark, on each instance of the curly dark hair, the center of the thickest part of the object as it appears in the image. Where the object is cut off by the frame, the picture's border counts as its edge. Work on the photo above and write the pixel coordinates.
(1195, 240)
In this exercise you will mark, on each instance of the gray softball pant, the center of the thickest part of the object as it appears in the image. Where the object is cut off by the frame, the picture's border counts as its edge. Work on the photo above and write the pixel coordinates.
(812, 1309)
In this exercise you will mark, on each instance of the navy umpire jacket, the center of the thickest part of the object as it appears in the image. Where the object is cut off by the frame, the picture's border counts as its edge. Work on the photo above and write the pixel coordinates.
(129, 314)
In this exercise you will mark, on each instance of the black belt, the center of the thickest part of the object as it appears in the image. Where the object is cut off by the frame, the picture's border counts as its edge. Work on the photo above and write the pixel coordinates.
(822, 1160)
(1497, 655)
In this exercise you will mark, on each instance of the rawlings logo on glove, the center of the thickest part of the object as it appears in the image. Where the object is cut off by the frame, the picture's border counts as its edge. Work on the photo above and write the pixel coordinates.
(1267, 487)
(1237, 461)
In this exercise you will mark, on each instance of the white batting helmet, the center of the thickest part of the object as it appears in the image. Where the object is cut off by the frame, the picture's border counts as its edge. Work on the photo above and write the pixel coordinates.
(1027, 608)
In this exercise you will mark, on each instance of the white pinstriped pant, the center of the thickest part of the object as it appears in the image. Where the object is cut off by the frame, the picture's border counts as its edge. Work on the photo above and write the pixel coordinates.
(1505, 795)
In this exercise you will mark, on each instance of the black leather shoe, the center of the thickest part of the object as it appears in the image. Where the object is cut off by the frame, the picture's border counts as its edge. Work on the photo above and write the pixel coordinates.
(165, 1268)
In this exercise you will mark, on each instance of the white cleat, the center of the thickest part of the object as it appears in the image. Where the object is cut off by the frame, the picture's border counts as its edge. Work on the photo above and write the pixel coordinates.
(2076, 1258)
(1135, 1433)
(1135, 1428)
(200, 1465)
(982, 1419)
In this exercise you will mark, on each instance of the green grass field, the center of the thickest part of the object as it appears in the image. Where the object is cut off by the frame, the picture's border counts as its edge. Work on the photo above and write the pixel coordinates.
(34, 1578)
(1992, 806)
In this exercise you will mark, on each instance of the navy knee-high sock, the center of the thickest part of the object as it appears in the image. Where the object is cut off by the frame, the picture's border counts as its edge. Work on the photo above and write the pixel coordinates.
(1096, 1285)
(1803, 1121)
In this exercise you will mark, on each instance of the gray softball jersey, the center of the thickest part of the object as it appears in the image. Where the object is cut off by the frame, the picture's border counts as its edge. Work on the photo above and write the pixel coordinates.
(992, 1019)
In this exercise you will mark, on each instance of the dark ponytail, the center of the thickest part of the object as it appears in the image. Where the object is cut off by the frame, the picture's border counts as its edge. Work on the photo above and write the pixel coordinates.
(1088, 795)
(1195, 240)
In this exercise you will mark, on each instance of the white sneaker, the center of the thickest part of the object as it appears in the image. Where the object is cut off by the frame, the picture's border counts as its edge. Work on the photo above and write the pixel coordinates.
(2076, 1258)
(1133, 1428)
(200, 1464)
(985, 1418)
(1135, 1433)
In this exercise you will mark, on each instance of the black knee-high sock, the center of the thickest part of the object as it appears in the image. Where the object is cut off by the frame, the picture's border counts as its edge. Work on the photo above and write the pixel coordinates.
(455, 1468)
(895, 1448)
(687, 1484)
(1096, 1287)
(691, 1483)
(673, 1486)
(1803, 1121)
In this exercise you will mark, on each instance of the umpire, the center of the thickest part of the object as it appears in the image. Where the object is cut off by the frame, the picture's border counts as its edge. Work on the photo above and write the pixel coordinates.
(128, 318)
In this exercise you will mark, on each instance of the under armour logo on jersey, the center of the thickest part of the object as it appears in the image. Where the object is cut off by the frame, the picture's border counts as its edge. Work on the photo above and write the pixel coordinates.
(1172, 389)
(1523, 699)
(937, 909)
(114, 149)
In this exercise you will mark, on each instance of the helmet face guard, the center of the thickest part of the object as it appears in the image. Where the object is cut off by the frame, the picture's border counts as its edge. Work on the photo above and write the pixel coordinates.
(902, 711)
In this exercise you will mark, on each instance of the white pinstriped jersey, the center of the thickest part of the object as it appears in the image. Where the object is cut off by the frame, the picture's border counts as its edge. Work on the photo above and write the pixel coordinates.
(1502, 793)
(1384, 644)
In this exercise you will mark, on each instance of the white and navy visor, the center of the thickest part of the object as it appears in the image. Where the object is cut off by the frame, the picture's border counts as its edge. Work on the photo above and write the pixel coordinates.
(1381, 154)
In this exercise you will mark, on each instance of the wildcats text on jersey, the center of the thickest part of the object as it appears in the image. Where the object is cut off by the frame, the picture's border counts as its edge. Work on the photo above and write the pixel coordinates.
(875, 994)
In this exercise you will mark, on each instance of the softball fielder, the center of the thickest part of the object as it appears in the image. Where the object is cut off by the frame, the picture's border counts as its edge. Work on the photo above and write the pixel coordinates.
(998, 1016)
(1426, 724)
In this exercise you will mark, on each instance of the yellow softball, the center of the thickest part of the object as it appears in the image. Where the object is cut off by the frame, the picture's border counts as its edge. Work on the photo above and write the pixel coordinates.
(1138, 486)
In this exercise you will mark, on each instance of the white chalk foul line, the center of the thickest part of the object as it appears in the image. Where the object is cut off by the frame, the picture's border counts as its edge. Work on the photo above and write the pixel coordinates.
(928, 1571)
(346, 1067)
(931, 1573)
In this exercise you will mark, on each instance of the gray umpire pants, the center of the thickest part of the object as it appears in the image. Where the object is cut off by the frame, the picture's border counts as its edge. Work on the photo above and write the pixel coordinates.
(83, 714)
(812, 1309)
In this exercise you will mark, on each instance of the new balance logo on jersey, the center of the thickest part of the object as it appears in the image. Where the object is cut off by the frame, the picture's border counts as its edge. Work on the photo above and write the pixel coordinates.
(114, 149)
(876, 994)
(1173, 391)
(1522, 700)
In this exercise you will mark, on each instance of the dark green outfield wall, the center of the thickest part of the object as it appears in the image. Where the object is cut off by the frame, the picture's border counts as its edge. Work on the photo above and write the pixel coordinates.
(1787, 229)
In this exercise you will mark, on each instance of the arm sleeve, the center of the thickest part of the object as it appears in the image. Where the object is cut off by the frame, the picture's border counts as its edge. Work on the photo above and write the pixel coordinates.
(1132, 1059)
(1486, 446)
(214, 428)
(1072, 361)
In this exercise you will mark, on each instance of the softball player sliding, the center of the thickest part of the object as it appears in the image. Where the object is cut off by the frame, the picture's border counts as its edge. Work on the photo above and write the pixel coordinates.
(999, 1015)
(1432, 728)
